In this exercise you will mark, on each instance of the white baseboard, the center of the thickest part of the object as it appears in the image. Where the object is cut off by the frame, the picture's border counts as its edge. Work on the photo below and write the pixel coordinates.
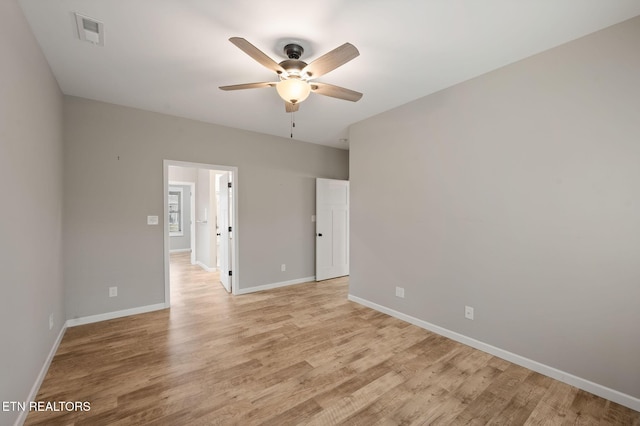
(584, 384)
(43, 372)
(274, 285)
(180, 250)
(206, 267)
(117, 314)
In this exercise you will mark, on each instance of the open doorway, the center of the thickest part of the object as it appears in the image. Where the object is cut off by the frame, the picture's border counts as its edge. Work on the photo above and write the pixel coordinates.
(212, 221)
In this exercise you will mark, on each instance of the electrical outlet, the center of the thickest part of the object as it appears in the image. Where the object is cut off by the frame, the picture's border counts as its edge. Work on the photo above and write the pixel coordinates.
(50, 321)
(400, 292)
(283, 267)
(113, 291)
(468, 312)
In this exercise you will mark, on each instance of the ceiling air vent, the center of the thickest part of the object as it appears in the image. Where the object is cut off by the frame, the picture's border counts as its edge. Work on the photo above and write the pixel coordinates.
(90, 30)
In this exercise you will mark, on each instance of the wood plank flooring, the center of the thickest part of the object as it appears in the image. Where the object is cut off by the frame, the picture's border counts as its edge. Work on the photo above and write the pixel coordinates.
(297, 355)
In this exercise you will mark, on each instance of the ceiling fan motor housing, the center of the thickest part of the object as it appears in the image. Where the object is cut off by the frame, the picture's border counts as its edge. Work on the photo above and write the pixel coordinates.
(293, 66)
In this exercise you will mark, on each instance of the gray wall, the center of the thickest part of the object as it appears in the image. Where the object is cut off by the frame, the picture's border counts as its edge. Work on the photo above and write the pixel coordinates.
(516, 193)
(107, 241)
(31, 208)
(184, 241)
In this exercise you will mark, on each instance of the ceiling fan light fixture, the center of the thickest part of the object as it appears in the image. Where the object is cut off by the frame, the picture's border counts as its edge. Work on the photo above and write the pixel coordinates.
(293, 90)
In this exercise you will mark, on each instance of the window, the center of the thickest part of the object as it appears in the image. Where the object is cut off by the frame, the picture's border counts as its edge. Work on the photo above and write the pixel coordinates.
(175, 212)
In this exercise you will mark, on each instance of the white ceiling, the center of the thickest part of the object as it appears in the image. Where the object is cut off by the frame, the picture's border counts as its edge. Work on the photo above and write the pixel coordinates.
(170, 56)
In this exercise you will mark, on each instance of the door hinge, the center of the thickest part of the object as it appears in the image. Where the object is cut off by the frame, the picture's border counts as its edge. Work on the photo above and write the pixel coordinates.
(230, 273)
(229, 229)
(228, 184)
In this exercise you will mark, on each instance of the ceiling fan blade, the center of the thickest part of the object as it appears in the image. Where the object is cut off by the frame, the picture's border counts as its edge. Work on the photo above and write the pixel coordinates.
(256, 54)
(332, 60)
(289, 107)
(335, 91)
(247, 86)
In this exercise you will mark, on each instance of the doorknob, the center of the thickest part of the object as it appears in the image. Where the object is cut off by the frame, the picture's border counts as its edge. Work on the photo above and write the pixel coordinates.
(319, 235)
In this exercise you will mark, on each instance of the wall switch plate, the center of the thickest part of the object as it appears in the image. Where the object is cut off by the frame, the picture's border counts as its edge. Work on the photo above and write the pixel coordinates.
(468, 312)
(400, 292)
(283, 267)
(113, 291)
(50, 321)
(313, 218)
(152, 220)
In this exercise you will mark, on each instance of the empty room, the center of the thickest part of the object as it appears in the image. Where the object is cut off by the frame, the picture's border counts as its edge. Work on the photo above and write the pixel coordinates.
(359, 213)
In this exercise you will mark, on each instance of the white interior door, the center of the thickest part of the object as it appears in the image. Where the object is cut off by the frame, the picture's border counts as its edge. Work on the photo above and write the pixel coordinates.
(332, 228)
(225, 235)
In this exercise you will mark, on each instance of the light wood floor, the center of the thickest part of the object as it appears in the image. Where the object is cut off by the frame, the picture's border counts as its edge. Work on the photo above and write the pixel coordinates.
(296, 355)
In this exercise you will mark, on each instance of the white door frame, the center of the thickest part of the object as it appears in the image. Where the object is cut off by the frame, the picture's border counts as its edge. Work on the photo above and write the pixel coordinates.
(235, 252)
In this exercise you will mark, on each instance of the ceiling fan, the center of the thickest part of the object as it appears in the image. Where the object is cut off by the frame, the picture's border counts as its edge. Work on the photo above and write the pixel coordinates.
(295, 76)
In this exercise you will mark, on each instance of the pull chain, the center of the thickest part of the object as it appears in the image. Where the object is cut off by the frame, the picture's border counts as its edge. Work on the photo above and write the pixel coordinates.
(293, 123)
